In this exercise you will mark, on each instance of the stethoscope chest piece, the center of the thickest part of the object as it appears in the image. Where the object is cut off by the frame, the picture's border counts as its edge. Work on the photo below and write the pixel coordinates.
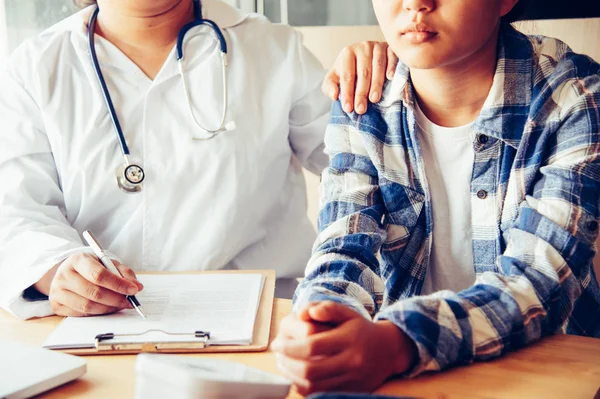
(130, 177)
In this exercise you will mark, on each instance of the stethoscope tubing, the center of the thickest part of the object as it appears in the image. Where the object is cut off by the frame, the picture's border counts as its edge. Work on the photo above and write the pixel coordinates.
(208, 133)
(193, 24)
(106, 94)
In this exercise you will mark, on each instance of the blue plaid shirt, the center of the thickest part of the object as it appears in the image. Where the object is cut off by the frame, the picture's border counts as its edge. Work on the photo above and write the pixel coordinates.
(535, 207)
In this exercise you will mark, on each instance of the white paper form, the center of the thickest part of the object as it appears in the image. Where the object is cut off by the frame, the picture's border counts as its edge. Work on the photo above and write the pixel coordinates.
(223, 304)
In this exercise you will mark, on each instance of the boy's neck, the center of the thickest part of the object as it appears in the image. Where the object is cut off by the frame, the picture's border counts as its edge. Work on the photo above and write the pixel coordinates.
(454, 95)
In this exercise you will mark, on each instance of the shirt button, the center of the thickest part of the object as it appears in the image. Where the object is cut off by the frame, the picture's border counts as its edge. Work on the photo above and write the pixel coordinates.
(482, 139)
(592, 226)
(482, 194)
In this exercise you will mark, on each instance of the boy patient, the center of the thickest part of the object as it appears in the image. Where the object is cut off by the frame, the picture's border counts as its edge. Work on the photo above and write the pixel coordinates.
(459, 214)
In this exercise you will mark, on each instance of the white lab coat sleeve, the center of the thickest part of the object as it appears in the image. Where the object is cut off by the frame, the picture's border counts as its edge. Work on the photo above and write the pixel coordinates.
(310, 109)
(34, 232)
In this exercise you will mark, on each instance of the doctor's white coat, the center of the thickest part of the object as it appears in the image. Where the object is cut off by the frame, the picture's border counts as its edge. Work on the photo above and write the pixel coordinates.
(236, 201)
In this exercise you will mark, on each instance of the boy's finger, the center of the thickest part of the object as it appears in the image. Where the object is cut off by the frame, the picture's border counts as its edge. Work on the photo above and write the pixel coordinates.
(294, 328)
(304, 314)
(313, 371)
(326, 344)
(332, 313)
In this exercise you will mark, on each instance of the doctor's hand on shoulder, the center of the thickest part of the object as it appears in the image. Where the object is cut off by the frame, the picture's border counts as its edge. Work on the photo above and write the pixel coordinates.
(359, 74)
(82, 286)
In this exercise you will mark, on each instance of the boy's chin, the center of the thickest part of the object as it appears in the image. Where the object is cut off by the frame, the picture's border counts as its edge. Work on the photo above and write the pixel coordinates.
(421, 62)
(421, 59)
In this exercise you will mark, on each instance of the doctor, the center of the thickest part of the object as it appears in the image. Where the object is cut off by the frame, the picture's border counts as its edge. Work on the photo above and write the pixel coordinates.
(174, 165)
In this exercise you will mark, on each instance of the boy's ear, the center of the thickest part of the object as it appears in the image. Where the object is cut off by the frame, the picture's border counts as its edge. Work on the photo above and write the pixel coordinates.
(506, 6)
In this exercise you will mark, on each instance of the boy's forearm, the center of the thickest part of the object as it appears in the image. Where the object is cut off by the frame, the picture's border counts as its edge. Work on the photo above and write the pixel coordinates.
(324, 290)
(333, 279)
(478, 324)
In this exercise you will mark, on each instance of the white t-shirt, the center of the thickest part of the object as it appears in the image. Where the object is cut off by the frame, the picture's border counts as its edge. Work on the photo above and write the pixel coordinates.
(448, 158)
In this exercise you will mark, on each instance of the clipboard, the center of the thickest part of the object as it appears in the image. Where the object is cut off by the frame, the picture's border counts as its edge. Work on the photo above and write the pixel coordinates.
(194, 341)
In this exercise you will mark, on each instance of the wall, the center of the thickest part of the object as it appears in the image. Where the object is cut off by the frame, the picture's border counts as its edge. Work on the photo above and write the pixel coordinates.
(582, 35)
(326, 43)
(3, 36)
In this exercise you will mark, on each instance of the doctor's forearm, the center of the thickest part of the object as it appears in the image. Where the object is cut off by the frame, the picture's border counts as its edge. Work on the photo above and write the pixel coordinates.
(43, 285)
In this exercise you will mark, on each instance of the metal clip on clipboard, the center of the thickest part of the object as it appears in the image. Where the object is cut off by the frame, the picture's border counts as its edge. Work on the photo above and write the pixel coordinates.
(197, 340)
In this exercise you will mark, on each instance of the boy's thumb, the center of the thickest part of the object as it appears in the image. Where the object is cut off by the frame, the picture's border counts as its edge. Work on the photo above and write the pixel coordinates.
(331, 313)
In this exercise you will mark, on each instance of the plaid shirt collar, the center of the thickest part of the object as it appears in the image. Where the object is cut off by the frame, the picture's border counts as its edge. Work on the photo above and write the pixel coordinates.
(507, 106)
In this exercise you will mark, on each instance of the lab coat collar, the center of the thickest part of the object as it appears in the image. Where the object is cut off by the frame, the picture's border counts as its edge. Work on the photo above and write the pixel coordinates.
(223, 14)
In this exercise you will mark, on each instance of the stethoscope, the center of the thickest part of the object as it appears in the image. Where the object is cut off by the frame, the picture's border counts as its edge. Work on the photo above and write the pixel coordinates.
(130, 175)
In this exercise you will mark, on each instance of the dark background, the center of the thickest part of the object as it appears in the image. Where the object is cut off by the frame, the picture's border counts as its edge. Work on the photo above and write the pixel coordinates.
(554, 9)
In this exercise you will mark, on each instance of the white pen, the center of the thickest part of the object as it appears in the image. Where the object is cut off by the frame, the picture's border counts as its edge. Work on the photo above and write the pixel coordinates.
(107, 262)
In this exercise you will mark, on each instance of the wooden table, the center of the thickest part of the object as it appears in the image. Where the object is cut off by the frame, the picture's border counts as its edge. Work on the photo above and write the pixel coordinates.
(562, 367)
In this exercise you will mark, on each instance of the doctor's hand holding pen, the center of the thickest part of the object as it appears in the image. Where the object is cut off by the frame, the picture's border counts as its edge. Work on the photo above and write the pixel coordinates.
(359, 74)
(82, 286)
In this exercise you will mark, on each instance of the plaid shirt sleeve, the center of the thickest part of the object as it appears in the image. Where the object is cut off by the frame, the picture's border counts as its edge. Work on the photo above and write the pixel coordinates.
(542, 272)
(344, 267)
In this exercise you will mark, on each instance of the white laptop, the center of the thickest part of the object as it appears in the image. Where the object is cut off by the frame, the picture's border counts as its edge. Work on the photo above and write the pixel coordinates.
(26, 371)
